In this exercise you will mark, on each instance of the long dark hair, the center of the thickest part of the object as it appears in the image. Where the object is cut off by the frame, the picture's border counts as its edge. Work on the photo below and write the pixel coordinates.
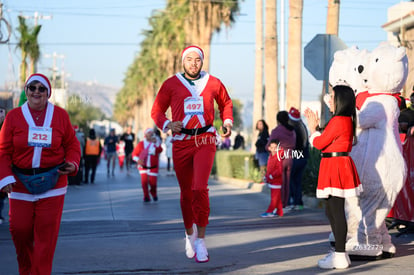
(283, 118)
(265, 126)
(344, 101)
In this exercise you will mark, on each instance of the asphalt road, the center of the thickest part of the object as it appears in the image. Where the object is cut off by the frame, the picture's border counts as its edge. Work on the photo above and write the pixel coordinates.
(107, 229)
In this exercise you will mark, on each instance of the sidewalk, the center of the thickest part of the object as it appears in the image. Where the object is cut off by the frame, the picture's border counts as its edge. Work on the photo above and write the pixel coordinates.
(107, 229)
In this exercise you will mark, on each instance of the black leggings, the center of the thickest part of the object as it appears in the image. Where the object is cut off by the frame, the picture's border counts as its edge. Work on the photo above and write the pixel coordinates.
(335, 211)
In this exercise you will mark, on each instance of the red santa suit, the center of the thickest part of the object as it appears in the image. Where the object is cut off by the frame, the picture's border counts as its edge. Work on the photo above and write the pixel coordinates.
(35, 219)
(147, 153)
(337, 174)
(274, 179)
(192, 102)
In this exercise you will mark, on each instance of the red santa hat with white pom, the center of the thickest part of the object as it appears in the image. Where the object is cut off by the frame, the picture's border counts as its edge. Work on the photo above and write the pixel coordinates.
(190, 49)
(42, 79)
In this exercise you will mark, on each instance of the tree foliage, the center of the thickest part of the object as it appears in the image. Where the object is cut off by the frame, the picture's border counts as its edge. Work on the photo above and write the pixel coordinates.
(81, 113)
(28, 45)
(237, 115)
(170, 31)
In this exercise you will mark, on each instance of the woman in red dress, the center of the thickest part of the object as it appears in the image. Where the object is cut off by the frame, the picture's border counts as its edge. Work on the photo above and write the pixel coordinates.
(338, 178)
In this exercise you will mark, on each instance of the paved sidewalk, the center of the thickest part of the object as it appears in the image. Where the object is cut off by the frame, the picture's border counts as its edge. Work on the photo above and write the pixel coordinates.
(107, 229)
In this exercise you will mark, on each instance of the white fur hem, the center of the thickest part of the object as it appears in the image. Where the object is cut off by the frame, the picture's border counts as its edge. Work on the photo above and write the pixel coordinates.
(32, 198)
(338, 192)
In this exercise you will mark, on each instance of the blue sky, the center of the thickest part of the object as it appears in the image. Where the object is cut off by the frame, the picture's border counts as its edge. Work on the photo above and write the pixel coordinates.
(99, 38)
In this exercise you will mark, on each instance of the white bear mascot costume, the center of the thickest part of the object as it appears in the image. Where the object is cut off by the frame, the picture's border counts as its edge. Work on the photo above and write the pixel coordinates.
(377, 153)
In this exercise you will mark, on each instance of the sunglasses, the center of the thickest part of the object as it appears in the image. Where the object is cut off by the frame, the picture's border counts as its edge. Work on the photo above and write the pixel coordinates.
(41, 89)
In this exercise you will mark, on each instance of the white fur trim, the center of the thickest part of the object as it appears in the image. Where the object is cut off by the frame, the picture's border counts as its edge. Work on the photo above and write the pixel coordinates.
(313, 136)
(338, 192)
(31, 197)
(192, 49)
(41, 80)
(37, 153)
(6, 181)
(274, 186)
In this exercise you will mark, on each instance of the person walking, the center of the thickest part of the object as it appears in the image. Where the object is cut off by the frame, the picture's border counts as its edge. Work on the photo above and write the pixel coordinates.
(110, 151)
(338, 177)
(93, 150)
(191, 96)
(285, 133)
(146, 154)
(299, 157)
(128, 137)
(262, 154)
(38, 150)
(274, 179)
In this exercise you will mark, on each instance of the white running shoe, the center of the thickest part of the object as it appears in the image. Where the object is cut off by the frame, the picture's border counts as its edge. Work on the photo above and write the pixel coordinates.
(189, 243)
(335, 260)
(201, 255)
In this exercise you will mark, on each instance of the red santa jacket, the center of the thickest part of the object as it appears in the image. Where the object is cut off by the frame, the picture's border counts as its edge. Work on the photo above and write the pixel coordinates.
(176, 89)
(14, 150)
(148, 152)
(274, 172)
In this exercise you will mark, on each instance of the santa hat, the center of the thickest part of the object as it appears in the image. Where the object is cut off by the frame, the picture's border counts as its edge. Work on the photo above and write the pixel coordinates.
(190, 49)
(42, 79)
(294, 114)
(149, 130)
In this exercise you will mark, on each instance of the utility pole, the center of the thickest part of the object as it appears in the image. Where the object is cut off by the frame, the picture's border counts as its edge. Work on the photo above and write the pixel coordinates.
(258, 84)
(55, 56)
(36, 16)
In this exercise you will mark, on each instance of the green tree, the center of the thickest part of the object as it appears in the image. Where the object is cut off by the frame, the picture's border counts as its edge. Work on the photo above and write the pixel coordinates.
(81, 113)
(237, 115)
(183, 22)
(29, 47)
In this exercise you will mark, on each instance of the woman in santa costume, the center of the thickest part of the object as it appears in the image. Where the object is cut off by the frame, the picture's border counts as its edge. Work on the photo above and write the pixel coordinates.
(146, 154)
(191, 96)
(338, 178)
(38, 150)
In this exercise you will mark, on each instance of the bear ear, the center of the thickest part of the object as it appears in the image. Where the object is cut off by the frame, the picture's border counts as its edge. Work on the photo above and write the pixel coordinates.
(339, 55)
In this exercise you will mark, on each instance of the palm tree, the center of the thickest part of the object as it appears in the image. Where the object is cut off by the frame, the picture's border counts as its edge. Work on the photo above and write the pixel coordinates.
(332, 27)
(294, 74)
(270, 56)
(332, 22)
(160, 51)
(205, 18)
(29, 47)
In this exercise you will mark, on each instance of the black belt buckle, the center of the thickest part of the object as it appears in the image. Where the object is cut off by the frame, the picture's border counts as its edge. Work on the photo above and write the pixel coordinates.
(195, 131)
(335, 154)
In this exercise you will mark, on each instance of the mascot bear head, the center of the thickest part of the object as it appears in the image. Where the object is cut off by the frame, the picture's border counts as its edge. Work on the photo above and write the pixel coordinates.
(387, 69)
(349, 68)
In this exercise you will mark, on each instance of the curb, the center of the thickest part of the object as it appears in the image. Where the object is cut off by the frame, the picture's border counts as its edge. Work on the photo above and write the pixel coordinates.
(308, 202)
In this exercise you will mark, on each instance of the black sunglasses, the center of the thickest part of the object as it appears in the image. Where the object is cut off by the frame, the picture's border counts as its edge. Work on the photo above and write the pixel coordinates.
(40, 88)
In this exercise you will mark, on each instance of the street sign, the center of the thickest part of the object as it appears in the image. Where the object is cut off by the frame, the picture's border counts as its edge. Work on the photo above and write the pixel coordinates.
(319, 52)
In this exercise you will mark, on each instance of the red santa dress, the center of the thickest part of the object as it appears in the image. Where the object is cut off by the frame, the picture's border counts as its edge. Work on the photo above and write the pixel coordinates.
(337, 174)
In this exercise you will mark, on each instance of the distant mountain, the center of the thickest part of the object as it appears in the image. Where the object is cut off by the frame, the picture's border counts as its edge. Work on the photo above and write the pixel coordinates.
(100, 96)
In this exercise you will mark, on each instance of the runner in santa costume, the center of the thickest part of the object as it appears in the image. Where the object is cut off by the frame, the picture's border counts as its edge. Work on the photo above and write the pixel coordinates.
(191, 96)
(146, 154)
(338, 178)
(35, 141)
